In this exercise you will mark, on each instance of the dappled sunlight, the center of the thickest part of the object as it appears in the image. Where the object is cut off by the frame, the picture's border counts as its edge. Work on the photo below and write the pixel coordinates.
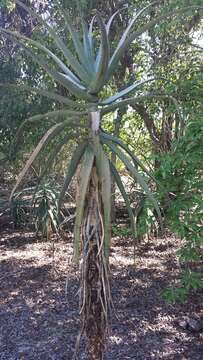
(39, 299)
(116, 339)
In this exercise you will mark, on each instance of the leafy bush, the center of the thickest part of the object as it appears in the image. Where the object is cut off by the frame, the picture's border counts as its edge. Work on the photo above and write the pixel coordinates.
(121, 231)
(189, 281)
(146, 220)
(180, 174)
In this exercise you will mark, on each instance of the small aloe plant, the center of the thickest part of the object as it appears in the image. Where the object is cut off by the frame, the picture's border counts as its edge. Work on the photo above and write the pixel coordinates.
(85, 73)
(45, 210)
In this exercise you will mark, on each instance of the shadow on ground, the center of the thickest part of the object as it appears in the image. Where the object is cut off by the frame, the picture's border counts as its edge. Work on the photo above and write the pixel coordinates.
(39, 321)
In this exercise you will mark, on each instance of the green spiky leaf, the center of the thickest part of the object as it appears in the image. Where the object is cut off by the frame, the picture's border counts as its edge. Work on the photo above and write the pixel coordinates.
(102, 59)
(102, 163)
(124, 92)
(126, 148)
(63, 79)
(116, 56)
(125, 197)
(88, 50)
(135, 174)
(50, 134)
(79, 48)
(71, 169)
(90, 35)
(39, 46)
(54, 154)
(52, 116)
(110, 21)
(85, 172)
(75, 65)
(124, 45)
(49, 94)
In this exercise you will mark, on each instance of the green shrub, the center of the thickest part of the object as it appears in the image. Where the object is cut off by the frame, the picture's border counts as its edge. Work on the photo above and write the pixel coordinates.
(181, 177)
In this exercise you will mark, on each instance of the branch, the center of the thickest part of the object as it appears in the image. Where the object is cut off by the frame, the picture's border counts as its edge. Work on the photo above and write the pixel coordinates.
(149, 122)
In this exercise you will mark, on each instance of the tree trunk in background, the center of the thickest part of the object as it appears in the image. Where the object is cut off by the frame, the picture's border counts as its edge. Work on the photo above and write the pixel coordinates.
(95, 290)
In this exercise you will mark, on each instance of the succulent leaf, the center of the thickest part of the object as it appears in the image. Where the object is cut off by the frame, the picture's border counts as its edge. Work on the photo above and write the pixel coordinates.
(50, 117)
(85, 172)
(71, 169)
(131, 37)
(135, 174)
(50, 134)
(102, 59)
(124, 92)
(88, 50)
(65, 80)
(53, 155)
(120, 185)
(62, 79)
(75, 65)
(130, 153)
(90, 35)
(76, 89)
(39, 46)
(49, 94)
(122, 43)
(110, 21)
(79, 47)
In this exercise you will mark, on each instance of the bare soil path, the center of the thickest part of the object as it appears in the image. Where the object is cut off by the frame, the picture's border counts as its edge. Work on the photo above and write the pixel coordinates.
(39, 322)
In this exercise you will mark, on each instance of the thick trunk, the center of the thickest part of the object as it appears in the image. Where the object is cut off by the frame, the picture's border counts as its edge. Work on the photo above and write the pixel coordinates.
(95, 291)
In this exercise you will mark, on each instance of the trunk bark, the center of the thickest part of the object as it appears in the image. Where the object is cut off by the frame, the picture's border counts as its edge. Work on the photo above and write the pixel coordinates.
(95, 290)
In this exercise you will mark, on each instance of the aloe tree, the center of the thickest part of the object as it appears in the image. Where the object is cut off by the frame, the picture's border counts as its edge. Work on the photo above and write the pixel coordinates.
(84, 73)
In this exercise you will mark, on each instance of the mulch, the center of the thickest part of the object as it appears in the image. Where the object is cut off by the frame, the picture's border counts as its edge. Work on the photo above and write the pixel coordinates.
(39, 303)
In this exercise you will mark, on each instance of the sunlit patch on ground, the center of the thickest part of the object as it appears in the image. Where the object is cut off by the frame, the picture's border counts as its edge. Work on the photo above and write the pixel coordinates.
(39, 319)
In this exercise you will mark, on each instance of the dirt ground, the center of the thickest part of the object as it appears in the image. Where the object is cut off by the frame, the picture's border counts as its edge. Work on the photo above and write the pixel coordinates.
(39, 303)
